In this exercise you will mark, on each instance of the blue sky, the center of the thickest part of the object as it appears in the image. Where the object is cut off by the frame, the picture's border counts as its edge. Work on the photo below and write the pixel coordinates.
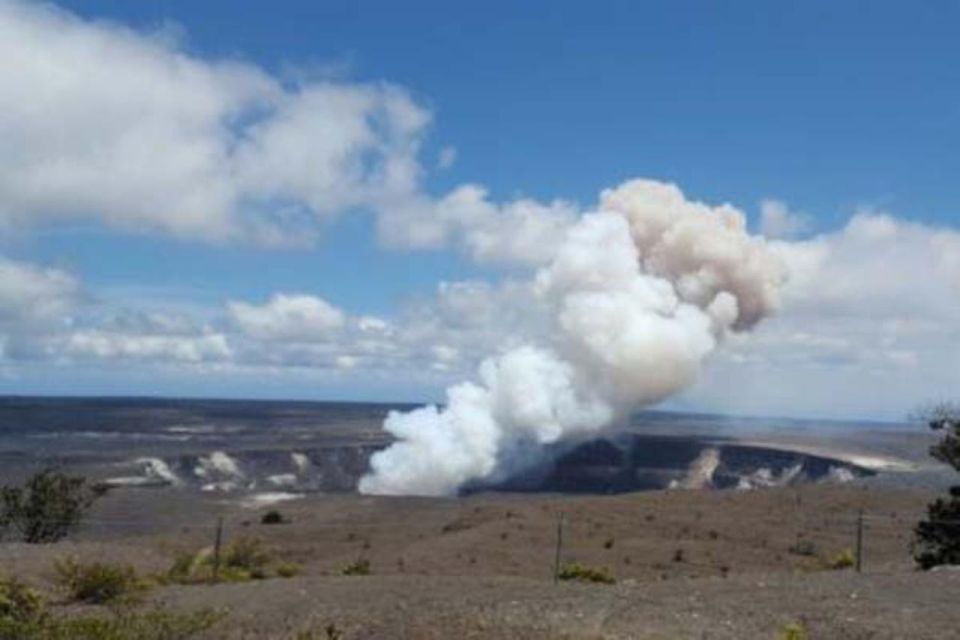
(826, 105)
(828, 108)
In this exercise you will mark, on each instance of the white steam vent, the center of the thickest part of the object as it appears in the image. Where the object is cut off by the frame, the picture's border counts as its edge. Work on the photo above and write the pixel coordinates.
(637, 295)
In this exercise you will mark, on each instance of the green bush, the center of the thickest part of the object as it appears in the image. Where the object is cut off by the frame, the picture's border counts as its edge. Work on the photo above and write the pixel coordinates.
(272, 517)
(19, 603)
(359, 567)
(24, 616)
(843, 560)
(581, 573)
(793, 631)
(47, 507)
(288, 570)
(96, 582)
(157, 624)
(243, 559)
(803, 548)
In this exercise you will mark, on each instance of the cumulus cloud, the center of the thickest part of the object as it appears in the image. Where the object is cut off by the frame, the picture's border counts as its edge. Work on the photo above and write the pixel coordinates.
(114, 345)
(778, 221)
(103, 122)
(870, 326)
(290, 318)
(521, 232)
(34, 301)
(33, 297)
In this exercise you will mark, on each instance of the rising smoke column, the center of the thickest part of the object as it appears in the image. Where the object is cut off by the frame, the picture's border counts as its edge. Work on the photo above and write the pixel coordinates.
(638, 295)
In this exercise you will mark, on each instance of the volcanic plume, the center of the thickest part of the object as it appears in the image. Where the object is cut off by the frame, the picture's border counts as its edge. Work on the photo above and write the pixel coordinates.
(637, 295)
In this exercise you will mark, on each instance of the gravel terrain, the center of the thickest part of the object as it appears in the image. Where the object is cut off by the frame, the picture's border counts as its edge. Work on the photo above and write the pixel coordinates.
(688, 564)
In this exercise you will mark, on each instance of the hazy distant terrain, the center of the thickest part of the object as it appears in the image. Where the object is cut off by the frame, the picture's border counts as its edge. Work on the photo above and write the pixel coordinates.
(244, 447)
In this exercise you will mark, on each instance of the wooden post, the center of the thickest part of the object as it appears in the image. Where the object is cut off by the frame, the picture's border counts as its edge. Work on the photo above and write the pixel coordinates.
(216, 549)
(859, 540)
(556, 559)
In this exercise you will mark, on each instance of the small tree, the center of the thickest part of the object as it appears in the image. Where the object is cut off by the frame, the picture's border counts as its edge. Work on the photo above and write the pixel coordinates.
(47, 507)
(937, 539)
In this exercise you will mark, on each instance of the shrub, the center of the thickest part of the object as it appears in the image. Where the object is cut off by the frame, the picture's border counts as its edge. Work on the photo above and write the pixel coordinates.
(803, 548)
(96, 582)
(19, 604)
(359, 567)
(288, 570)
(157, 624)
(581, 573)
(272, 517)
(937, 539)
(47, 507)
(843, 560)
(793, 631)
(243, 559)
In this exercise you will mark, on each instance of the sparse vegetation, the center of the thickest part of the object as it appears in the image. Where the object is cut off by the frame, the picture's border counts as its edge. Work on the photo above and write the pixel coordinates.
(272, 517)
(288, 570)
(19, 605)
(359, 567)
(96, 582)
(243, 559)
(793, 631)
(803, 548)
(47, 507)
(330, 632)
(937, 539)
(24, 616)
(581, 573)
(843, 560)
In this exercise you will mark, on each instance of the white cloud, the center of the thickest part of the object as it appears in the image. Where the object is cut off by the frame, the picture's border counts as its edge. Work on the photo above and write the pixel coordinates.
(289, 318)
(102, 122)
(778, 221)
(33, 297)
(446, 158)
(870, 327)
(111, 345)
(518, 232)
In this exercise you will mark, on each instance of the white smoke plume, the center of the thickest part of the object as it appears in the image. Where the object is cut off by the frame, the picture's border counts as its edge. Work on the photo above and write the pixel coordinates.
(638, 294)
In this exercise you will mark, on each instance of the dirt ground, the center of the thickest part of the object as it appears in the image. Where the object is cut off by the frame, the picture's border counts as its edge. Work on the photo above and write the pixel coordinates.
(688, 564)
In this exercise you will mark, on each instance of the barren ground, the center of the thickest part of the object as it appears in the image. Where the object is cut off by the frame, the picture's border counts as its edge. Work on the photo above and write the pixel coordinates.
(689, 564)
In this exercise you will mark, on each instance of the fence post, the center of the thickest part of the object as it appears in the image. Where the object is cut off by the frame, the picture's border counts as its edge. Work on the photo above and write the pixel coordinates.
(859, 540)
(216, 549)
(556, 559)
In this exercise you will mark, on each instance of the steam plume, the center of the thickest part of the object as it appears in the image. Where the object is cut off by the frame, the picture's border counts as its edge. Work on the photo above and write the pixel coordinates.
(638, 295)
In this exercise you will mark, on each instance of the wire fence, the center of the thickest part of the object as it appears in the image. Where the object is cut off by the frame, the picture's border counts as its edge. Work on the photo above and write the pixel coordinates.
(858, 527)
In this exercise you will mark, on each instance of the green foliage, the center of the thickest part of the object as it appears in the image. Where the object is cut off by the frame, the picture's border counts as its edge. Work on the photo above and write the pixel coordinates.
(24, 616)
(330, 632)
(288, 570)
(803, 548)
(793, 631)
(581, 573)
(47, 507)
(272, 517)
(242, 560)
(19, 604)
(157, 624)
(937, 539)
(359, 567)
(843, 560)
(96, 582)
